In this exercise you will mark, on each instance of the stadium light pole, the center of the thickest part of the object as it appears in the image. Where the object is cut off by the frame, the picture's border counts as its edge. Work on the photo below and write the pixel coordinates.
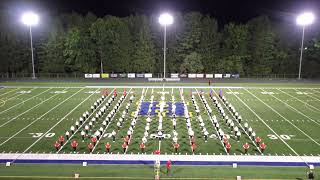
(30, 19)
(165, 19)
(303, 20)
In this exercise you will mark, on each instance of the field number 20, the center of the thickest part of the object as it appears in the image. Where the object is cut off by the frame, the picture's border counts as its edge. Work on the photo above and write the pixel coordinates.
(37, 135)
(283, 136)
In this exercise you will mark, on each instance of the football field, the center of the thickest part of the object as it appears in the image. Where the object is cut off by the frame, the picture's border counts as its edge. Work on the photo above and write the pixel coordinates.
(286, 118)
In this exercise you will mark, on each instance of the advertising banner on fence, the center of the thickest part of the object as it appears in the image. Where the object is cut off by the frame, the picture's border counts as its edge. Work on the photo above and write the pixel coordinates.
(131, 75)
(192, 75)
(174, 75)
(148, 75)
(113, 75)
(95, 75)
(217, 75)
(235, 75)
(123, 75)
(209, 75)
(140, 75)
(200, 75)
(104, 75)
(87, 75)
(226, 75)
(183, 75)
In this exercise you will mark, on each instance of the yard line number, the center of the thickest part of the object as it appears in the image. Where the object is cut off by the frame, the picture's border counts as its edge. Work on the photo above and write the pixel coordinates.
(37, 135)
(283, 136)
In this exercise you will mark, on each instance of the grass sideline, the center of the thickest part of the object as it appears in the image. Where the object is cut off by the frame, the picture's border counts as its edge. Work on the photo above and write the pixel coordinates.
(53, 171)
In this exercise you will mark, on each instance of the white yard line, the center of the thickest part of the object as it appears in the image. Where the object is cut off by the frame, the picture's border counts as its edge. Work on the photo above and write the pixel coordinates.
(237, 122)
(295, 109)
(24, 101)
(7, 122)
(15, 89)
(105, 129)
(299, 100)
(145, 95)
(213, 124)
(184, 103)
(283, 118)
(265, 124)
(39, 117)
(75, 132)
(58, 122)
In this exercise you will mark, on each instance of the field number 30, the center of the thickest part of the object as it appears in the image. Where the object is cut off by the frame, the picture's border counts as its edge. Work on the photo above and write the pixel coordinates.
(283, 136)
(37, 135)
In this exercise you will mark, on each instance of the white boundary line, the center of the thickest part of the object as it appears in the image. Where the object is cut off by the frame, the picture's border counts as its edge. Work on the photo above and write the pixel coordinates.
(234, 120)
(39, 118)
(283, 117)
(265, 124)
(127, 157)
(24, 101)
(28, 110)
(75, 132)
(15, 88)
(212, 124)
(168, 86)
(59, 121)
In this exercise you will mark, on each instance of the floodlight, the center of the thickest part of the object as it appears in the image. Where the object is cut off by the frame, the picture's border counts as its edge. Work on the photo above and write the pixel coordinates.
(165, 19)
(30, 19)
(305, 19)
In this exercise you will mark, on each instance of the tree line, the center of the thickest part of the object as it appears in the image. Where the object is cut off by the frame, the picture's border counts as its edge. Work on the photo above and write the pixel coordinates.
(196, 43)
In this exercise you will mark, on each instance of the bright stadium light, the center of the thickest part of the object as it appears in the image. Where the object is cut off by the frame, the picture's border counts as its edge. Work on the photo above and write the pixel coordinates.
(30, 19)
(304, 20)
(165, 19)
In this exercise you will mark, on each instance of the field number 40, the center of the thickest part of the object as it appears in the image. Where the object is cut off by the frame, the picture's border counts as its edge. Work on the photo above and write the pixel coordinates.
(37, 135)
(283, 136)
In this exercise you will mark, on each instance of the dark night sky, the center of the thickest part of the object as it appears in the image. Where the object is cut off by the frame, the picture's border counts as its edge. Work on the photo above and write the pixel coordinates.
(224, 10)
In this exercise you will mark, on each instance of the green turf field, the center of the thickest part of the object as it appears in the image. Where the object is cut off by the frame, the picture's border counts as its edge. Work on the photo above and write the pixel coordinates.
(33, 118)
(286, 117)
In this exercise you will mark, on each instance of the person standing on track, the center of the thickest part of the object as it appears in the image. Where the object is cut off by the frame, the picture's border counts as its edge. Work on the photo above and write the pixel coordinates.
(169, 164)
